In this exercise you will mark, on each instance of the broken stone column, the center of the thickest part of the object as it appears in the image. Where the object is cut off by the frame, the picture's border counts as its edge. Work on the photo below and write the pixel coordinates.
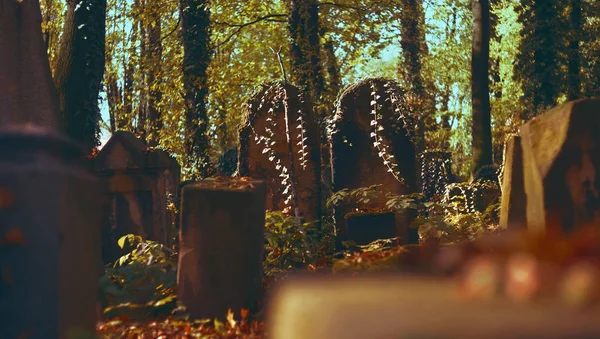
(514, 200)
(561, 164)
(221, 246)
(50, 214)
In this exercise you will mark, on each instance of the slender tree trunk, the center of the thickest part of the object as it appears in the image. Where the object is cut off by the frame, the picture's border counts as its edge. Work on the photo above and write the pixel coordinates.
(306, 70)
(481, 128)
(574, 78)
(80, 69)
(122, 122)
(26, 90)
(412, 49)
(195, 31)
(153, 68)
(143, 98)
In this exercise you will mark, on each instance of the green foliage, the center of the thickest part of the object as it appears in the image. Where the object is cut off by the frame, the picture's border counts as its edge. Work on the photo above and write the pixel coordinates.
(370, 199)
(147, 274)
(292, 244)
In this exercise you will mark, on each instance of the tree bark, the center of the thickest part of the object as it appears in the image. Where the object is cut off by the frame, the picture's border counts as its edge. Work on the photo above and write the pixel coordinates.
(195, 30)
(27, 93)
(80, 70)
(412, 43)
(574, 78)
(481, 128)
(305, 49)
(153, 69)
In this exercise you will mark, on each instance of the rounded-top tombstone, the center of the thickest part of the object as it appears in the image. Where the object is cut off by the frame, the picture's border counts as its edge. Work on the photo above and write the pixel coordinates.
(264, 149)
(371, 143)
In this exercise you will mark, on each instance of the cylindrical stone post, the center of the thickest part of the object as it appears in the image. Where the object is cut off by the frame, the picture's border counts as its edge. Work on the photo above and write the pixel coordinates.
(221, 246)
(50, 212)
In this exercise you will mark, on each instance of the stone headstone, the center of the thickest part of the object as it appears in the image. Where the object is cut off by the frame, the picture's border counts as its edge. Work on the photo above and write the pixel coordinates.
(139, 180)
(399, 306)
(264, 154)
(370, 138)
(561, 166)
(50, 215)
(514, 200)
(221, 246)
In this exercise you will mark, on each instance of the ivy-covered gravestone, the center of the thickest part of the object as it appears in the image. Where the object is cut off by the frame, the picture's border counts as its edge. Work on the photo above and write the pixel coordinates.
(370, 138)
(436, 172)
(279, 121)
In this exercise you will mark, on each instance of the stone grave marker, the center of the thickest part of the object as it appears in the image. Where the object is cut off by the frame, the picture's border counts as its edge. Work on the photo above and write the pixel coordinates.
(398, 306)
(50, 220)
(514, 200)
(370, 138)
(561, 166)
(139, 180)
(221, 246)
(264, 149)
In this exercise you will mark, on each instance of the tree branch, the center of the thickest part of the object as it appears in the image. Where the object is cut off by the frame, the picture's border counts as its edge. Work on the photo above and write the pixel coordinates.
(239, 27)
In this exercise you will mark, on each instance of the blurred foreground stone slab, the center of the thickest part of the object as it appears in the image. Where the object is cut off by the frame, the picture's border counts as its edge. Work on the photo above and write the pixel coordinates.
(411, 307)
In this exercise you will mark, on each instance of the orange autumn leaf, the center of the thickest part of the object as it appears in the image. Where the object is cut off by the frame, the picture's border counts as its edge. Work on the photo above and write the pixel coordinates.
(13, 236)
(7, 198)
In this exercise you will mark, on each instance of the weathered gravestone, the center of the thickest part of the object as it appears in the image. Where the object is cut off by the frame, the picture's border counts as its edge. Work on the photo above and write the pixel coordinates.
(436, 172)
(50, 213)
(399, 306)
(370, 138)
(139, 180)
(561, 166)
(514, 200)
(27, 91)
(264, 148)
(471, 197)
(221, 246)
(227, 164)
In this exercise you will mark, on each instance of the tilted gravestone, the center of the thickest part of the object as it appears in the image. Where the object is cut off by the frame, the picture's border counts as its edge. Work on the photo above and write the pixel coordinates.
(561, 166)
(370, 138)
(514, 200)
(264, 149)
(139, 180)
(221, 246)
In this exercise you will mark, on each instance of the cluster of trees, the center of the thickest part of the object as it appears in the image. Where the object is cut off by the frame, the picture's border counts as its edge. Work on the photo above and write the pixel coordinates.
(178, 73)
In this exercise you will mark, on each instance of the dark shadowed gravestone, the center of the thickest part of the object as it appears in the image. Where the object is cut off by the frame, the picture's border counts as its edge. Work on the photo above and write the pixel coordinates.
(514, 200)
(370, 137)
(561, 164)
(227, 164)
(50, 219)
(412, 307)
(221, 246)
(264, 152)
(139, 181)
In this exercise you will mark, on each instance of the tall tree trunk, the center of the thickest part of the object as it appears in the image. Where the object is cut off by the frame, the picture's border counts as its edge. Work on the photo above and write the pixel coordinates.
(142, 113)
(195, 31)
(123, 123)
(115, 101)
(481, 128)
(153, 69)
(574, 79)
(80, 70)
(306, 70)
(26, 90)
(412, 48)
